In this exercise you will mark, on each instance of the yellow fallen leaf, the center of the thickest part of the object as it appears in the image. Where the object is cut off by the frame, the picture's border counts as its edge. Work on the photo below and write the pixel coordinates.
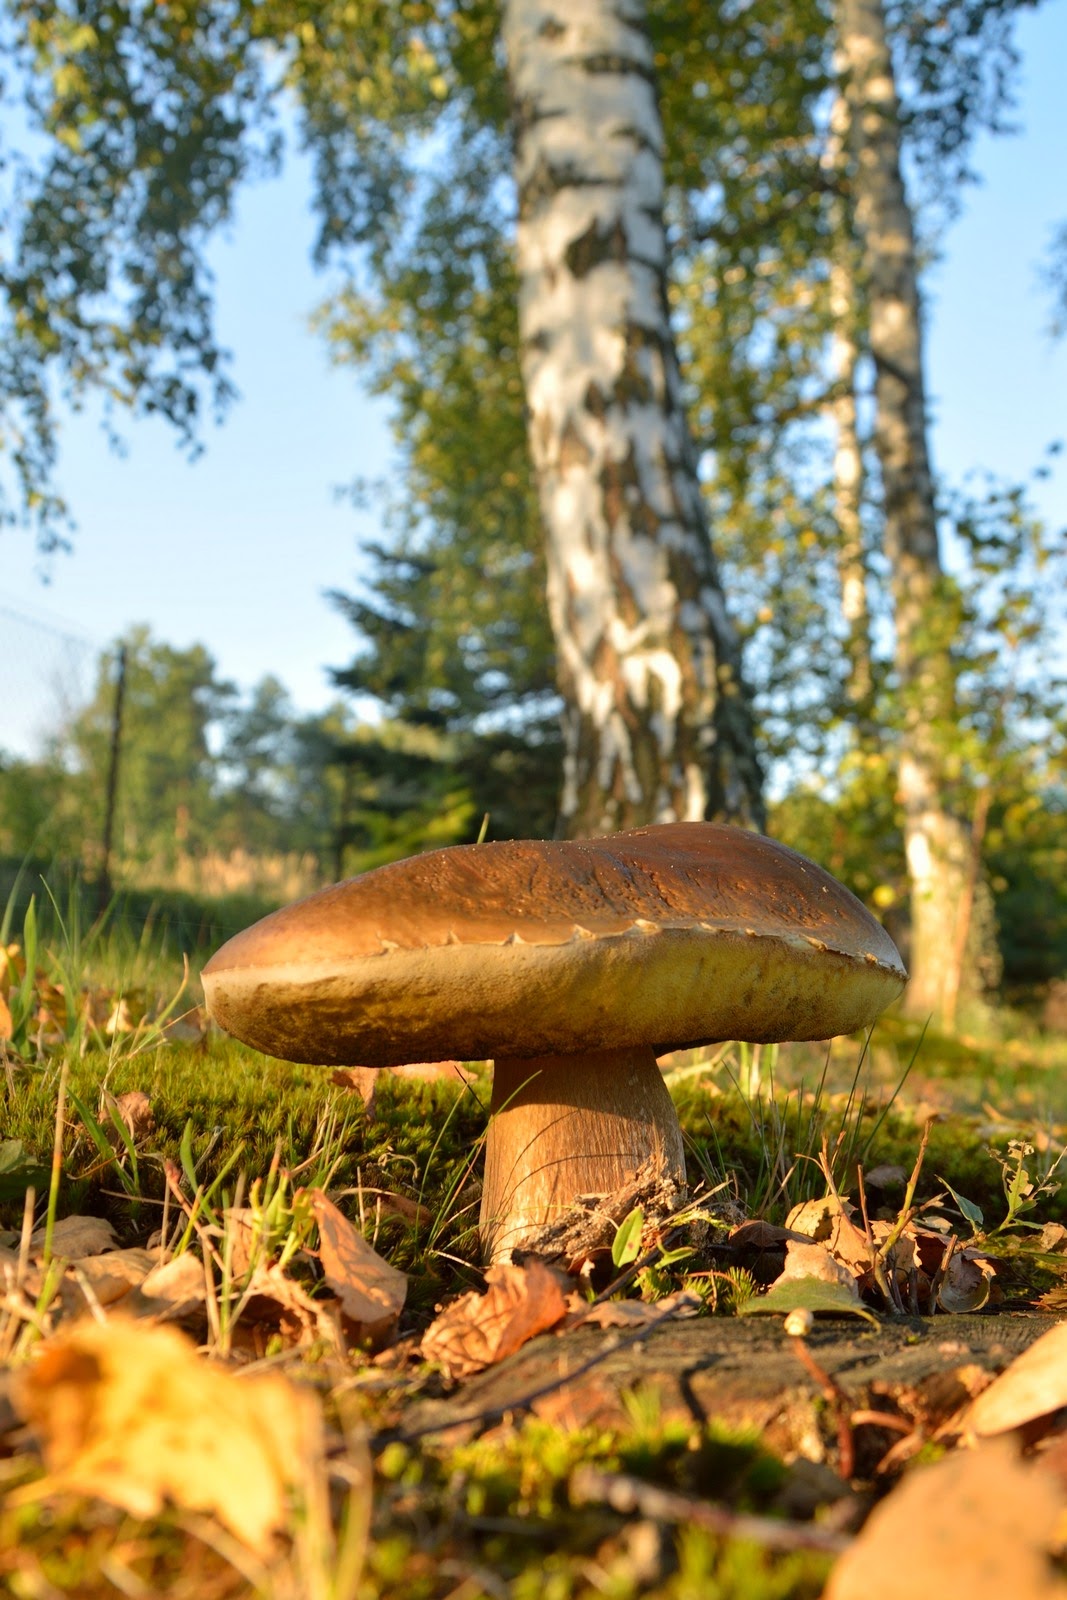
(371, 1292)
(478, 1330)
(980, 1525)
(132, 1415)
(1033, 1386)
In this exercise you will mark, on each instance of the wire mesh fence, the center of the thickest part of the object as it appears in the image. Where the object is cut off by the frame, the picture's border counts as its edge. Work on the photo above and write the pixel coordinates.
(47, 675)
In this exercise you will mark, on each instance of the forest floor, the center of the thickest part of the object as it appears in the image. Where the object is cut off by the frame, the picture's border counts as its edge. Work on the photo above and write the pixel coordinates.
(246, 1347)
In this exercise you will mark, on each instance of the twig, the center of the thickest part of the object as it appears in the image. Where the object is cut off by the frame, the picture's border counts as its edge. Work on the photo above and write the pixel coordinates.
(589, 1486)
(942, 1271)
(836, 1397)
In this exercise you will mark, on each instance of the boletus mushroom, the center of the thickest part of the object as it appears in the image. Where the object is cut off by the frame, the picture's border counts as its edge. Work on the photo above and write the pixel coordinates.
(573, 965)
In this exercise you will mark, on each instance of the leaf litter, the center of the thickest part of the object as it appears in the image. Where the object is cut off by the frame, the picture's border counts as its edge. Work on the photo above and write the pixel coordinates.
(88, 1419)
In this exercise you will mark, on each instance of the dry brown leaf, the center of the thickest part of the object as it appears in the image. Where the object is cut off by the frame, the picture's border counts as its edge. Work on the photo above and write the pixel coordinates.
(109, 1277)
(371, 1292)
(75, 1237)
(174, 1288)
(1034, 1385)
(886, 1176)
(828, 1222)
(629, 1313)
(244, 1233)
(758, 1235)
(814, 1218)
(134, 1109)
(273, 1297)
(967, 1283)
(814, 1261)
(132, 1415)
(478, 1330)
(363, 1080)
(977, 1526)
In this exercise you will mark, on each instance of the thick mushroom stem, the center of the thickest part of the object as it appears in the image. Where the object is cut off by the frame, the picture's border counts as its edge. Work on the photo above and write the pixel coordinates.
(563, 1126)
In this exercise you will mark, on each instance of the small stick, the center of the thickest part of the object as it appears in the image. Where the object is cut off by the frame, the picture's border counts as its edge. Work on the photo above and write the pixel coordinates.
(626, 1494)
(942, 1271)
(838, 1399)
(882, 1419)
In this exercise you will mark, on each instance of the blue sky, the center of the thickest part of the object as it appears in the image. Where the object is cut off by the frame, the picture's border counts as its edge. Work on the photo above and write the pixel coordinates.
(236, 549)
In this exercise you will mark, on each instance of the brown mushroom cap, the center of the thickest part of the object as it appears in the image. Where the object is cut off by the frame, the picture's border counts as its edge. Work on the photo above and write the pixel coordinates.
(679, 934)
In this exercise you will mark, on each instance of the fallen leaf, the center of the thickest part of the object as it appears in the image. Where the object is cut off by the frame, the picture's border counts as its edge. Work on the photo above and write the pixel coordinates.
(365, 1081)
(132, 1415)
(135, 1110)
(75, 1237)
(174, 1288)
(120, 1020)
(815, 1261)
(967, 1283)
(814, 1218)
(109, 1277)
(885, 1176)
(829, 1222)
(478, 1330)
(630, 1313)
(758, 1235)
(371, 1292)
(270, 1296)
(1034, 1385)
(980, 1525)
(811, 1281)
(362, 1080)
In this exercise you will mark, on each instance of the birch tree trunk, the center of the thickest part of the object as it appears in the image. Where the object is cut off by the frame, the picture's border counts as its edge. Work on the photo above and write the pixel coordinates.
(937, 843)
(848, 449)
(657, 724)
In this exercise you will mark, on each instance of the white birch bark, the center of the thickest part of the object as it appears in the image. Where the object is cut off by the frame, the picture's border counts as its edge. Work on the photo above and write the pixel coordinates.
(657, 724)
(936, 842)
(848, 449)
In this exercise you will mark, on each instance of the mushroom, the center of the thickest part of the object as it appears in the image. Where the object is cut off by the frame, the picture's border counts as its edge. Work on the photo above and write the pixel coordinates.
(573, 965)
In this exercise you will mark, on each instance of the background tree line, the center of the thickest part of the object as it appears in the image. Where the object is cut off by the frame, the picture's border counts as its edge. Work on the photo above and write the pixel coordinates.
(722, 481)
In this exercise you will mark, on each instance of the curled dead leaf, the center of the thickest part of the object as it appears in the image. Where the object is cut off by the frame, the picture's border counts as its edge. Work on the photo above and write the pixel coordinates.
(967, 1283)
(371, 1292)
(477, 1330)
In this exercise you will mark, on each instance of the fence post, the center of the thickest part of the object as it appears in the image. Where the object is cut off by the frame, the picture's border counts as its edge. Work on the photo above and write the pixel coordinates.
(103, 887)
